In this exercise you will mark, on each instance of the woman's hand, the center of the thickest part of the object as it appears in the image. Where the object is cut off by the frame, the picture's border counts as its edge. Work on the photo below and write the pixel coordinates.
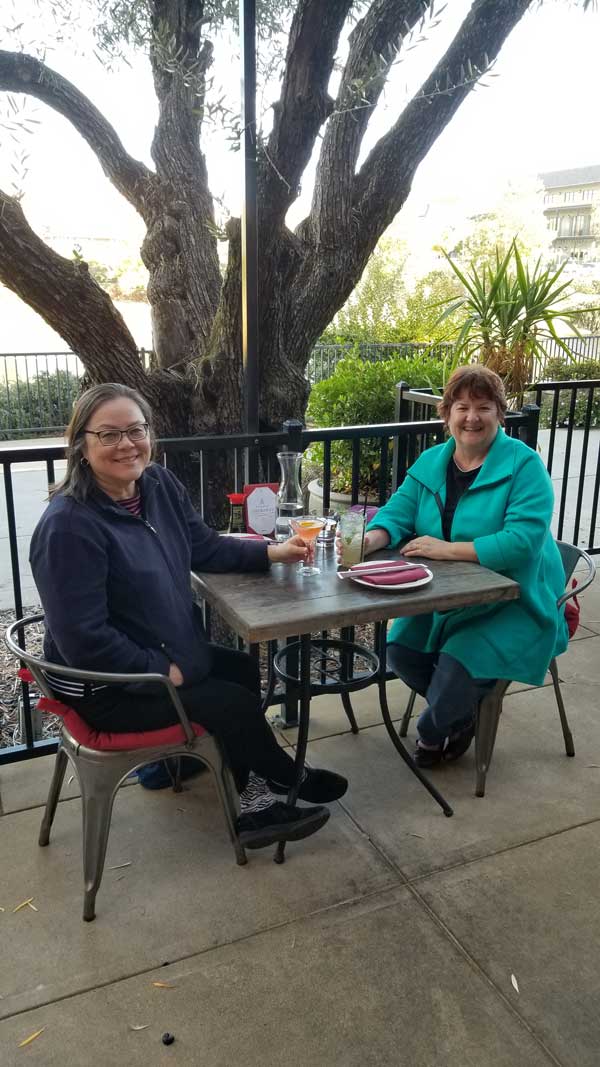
(291, 551)
(175, 674)
(429, 548)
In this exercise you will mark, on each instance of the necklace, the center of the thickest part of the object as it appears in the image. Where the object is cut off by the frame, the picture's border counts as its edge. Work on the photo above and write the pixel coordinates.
(465, 470)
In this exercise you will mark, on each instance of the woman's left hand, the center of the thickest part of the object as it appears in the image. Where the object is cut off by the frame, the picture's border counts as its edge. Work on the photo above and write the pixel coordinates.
(291, 551)
(429, 548)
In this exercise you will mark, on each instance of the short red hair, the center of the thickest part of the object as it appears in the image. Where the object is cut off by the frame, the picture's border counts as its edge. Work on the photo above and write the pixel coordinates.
(477, 381)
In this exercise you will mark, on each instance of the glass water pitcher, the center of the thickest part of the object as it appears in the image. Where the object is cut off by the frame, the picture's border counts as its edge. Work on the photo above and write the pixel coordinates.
(289, 495)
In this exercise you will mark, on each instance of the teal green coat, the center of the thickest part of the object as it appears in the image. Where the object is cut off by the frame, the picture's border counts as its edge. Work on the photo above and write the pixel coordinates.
(506, 513)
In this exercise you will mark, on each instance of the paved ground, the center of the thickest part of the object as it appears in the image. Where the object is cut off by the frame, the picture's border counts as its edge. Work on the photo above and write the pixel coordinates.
(395, 936)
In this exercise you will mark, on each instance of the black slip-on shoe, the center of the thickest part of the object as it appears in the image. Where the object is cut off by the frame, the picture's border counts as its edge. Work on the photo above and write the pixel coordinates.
(426, 758)
(279, 822)
(459, 744)
(319, 787)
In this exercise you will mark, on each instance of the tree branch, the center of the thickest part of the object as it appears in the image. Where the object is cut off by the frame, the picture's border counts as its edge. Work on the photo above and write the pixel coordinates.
(363, 81)
(66, 296)
(21, 73)
(304, 103)
(385, 179)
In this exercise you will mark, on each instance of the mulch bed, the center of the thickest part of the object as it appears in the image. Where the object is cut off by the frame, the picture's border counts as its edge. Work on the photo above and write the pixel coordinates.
(11, 693)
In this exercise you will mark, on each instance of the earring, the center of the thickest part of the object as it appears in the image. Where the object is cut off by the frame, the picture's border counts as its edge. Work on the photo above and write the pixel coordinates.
(83, 462)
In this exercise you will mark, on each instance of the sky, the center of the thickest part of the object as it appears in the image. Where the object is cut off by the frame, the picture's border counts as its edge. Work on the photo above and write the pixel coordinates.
(536, 114)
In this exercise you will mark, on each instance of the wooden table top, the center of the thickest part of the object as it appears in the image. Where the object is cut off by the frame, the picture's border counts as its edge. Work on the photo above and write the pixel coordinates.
(282, 603)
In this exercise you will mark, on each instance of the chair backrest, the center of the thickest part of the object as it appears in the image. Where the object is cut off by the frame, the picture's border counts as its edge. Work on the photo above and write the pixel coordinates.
(15, 640)
(570, 556)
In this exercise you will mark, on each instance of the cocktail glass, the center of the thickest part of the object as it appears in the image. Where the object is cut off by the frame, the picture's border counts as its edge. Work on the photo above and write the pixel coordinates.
(307, 527)
(352, 538)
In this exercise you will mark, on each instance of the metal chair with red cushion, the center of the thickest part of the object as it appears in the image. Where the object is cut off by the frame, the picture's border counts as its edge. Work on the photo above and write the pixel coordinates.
(102, 761)
(490, 708)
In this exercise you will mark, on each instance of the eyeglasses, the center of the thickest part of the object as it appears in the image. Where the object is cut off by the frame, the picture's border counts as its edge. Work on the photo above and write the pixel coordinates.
(114, 437)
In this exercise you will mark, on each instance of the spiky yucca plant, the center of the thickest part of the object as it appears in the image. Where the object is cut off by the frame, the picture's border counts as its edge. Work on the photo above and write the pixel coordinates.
(510, 315)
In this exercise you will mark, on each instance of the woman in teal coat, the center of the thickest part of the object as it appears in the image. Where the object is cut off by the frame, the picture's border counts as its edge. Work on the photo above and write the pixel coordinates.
(486, 498)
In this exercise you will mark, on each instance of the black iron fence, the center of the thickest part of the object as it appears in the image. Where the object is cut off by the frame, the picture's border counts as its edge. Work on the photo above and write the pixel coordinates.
(325, 358)
(37, 392)
(37, 389)
(395, 443)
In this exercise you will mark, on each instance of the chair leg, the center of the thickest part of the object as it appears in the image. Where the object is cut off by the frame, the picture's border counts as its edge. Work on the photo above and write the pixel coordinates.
(486, 728)
(226, 791)
(349, 712)
(568, 736)
(97, 796)
(58, 776)
(408, 713)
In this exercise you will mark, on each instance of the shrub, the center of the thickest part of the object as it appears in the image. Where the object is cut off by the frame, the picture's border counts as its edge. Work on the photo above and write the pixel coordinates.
(560, 369)
(43, 403)
(357, 394)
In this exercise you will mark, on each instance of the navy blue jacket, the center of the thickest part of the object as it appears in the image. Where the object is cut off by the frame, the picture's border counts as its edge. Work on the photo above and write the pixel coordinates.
(115, 588)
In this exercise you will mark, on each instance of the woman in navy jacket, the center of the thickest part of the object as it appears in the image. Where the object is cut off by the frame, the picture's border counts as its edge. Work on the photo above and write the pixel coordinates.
(111, 558)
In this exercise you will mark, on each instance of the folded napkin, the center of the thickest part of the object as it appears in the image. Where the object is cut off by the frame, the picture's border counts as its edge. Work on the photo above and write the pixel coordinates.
(393, 576)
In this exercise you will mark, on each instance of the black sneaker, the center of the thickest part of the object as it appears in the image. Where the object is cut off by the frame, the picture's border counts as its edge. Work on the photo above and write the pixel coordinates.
(458, 745)
(319, 787)
(426, 758)
(279, 822)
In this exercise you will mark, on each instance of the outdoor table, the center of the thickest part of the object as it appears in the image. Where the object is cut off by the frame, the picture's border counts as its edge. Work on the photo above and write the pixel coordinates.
(282, 603)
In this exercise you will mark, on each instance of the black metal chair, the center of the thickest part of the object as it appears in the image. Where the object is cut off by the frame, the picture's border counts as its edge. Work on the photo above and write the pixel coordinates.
(490, 707)
(101, 770)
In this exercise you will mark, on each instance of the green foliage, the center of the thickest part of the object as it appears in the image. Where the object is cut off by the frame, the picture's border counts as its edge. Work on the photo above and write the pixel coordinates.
(45, 404)
(507, 315)
(565, 370)
(382, 310)
(358, 394)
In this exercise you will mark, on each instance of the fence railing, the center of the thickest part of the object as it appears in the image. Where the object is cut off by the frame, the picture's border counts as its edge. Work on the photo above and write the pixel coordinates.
(37, 389)
(205, 465)
(325, 358)
(37, 392)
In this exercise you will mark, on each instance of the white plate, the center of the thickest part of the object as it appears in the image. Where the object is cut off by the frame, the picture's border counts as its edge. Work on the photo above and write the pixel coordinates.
(395, 588)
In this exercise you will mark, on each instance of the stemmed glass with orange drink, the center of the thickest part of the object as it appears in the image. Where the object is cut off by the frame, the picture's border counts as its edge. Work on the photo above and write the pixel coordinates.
(308, 527)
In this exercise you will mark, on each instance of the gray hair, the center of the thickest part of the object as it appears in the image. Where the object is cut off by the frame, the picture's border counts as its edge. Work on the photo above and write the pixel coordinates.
(79, 478)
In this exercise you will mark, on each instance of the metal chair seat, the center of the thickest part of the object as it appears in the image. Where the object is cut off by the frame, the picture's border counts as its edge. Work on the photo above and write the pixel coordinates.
(102, 764)
(490, 707)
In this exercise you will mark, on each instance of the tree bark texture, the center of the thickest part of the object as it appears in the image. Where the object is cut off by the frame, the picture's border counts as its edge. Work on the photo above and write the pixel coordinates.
(304, 276)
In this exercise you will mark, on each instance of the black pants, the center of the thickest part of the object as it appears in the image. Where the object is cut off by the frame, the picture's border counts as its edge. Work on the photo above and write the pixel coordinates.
(226, 703)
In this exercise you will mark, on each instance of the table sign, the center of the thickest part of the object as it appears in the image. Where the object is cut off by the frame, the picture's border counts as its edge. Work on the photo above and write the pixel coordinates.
(260, 507)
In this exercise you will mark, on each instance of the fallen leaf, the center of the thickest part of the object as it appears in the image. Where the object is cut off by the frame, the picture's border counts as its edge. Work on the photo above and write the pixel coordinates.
(31, 1038)
(23, 904)
(118, 866)
(1, 909)
(164, 985)
(514, 982)
(144, 1026)
(32, 906)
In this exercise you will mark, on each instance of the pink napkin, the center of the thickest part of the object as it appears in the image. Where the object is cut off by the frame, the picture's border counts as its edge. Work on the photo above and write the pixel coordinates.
(402, 573)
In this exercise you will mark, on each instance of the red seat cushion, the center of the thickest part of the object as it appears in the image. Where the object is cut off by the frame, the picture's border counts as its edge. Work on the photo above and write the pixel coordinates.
(104, 740)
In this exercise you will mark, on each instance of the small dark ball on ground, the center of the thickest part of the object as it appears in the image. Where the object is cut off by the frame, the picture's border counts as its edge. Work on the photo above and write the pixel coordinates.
(167, 1039)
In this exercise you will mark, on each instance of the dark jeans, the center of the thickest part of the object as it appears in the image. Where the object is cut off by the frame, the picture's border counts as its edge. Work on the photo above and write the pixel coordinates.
(226, 703)
(452, 694)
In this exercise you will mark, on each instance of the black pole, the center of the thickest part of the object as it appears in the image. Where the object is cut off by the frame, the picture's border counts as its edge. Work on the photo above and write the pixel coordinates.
(249, 231)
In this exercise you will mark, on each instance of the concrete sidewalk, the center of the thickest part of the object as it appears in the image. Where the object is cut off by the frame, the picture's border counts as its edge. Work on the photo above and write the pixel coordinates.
(394, 936)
